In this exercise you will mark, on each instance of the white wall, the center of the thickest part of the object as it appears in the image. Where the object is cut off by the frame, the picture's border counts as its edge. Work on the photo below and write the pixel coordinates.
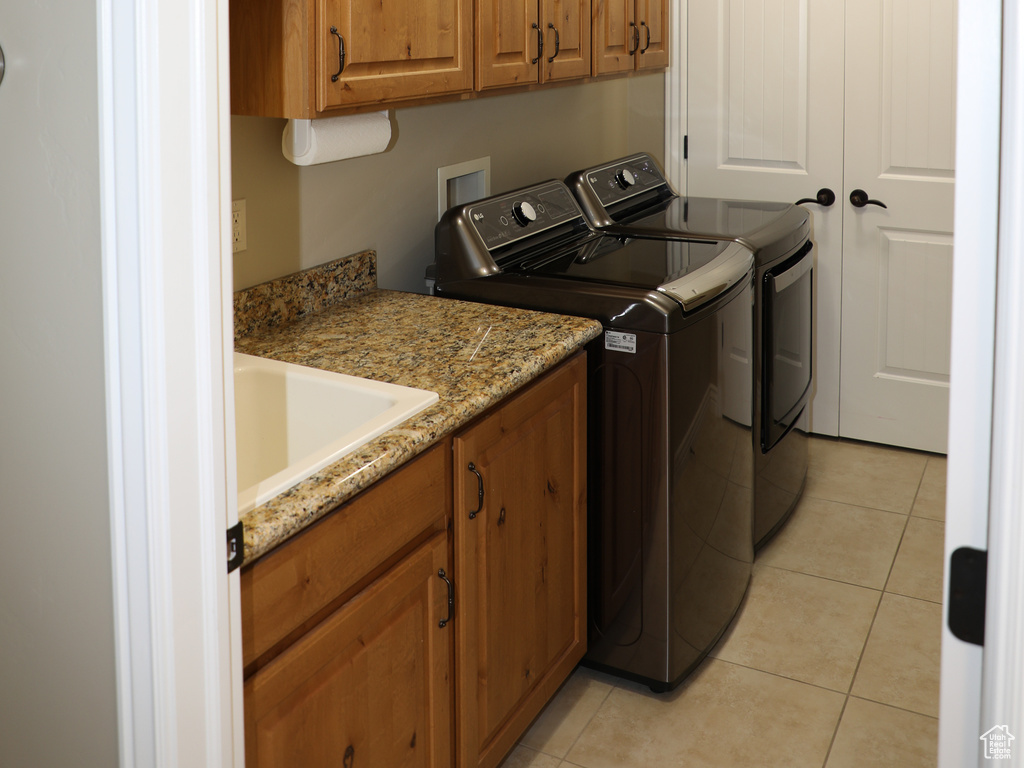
(57, 676)
(301, 217)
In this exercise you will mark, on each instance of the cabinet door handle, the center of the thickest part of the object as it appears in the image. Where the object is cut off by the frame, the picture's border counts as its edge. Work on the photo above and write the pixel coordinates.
(557, 43)
(824, 198)
(451, 598)
(540, 44)
(634, 38)
(648, 43)
(480, 491)
(341, 54)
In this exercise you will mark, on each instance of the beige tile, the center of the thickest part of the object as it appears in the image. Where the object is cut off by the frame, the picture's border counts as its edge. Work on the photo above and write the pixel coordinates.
(872, 734)
(865, 475)
(931, 496)
(724, 715)
(802, 627)
(524, 757)
(917, 571)
(900, 665)
(567, 714)
(837, 541)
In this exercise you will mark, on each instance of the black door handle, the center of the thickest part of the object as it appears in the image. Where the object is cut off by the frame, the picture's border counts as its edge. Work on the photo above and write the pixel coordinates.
(859, 198)
(824, 198)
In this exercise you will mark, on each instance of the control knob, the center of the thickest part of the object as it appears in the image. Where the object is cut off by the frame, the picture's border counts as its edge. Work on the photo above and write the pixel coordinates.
(625, 178)
(523, 212)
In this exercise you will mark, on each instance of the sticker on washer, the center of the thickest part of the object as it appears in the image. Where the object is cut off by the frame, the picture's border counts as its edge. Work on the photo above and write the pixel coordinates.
(620, 342)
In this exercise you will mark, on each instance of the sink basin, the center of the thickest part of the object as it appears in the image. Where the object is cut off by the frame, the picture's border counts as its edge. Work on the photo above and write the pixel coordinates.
(292, 420)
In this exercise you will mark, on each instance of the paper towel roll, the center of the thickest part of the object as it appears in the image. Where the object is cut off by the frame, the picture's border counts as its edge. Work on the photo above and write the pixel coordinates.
(327, 139)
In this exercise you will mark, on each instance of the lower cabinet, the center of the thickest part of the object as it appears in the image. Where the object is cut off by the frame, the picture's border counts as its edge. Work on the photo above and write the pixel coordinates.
(370, 686)
(520, 555)
(355, 655)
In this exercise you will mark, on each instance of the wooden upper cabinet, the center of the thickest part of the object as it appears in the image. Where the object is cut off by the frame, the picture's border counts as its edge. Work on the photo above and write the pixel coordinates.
(630, 35)
(521, 42)
(389, 51)
(652, 22)
(303, 58)
(567, 30)
(520, 561)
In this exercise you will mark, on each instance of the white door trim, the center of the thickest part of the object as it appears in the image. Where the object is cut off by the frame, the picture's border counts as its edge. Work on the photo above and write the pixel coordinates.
(165, 183)
(973, 360)
(1003, 675)
(675, 97)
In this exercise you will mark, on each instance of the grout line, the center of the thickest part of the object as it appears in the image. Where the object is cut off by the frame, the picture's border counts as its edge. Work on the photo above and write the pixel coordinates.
(835, 732)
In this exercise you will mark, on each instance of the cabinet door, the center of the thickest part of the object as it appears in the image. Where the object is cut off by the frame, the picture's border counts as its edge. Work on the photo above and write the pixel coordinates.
(509, 38)
(566, 39)
(520, 561)
(615, 36)
(369, 686)
(652, 19)
(395, 50)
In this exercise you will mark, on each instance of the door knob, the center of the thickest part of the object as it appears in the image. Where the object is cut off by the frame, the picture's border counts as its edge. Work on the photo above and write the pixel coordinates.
(824, 198)
(859, 198)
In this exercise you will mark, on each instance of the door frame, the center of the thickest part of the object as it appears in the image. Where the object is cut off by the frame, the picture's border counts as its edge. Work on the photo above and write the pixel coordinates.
(165, 196)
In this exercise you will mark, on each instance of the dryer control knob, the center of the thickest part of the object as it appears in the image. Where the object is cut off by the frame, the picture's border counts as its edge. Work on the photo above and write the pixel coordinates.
(625, 178)
(524, 213)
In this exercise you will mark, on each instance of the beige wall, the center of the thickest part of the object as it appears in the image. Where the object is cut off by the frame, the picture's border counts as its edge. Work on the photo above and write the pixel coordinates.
(58, 703)
(301, 217)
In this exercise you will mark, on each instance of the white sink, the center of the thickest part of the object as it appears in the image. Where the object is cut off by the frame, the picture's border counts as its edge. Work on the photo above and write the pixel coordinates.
(291, 421)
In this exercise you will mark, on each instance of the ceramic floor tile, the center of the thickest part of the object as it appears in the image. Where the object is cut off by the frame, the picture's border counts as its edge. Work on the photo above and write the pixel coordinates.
(872, 734)
(931, 497)
(723, 715)
(864, 475)
(524, 757)
(802, 627)
(837, 541)
(567, 714)
(917, 571)
(900, 665)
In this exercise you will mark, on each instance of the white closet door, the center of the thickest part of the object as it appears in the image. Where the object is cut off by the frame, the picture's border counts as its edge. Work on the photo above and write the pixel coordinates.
(765, 122)
(898, 261)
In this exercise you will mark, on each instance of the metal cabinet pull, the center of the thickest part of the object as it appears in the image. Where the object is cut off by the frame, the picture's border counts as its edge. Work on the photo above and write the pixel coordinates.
(557, 43)
(540, 44)
(451, 598)
(1, 65)
(341, 54)
(859, 198)
(480, 491)
(634, 38)
(648, 43)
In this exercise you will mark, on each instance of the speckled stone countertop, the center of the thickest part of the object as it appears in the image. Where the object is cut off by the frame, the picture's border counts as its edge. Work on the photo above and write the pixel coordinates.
(472, 355)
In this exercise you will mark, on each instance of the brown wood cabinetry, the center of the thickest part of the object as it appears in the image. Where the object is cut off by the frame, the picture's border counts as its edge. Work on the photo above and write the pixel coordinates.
(531, 41)
(520, 560)
(303, 58)
(349, 657)
(630, 35)
(341, 632)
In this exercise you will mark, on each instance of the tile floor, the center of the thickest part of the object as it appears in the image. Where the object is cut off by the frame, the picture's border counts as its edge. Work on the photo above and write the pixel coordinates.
(832, 662)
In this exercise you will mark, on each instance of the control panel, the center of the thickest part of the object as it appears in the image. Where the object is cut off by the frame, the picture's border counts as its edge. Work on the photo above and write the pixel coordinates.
(503, 220)
(624, 179)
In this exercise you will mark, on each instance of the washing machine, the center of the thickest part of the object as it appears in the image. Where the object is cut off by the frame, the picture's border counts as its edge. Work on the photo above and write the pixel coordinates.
(630, 197)
(669, 410)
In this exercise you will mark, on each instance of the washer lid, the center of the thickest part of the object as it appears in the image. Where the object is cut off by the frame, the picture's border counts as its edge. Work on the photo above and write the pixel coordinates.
(691, 273)
(758, 225)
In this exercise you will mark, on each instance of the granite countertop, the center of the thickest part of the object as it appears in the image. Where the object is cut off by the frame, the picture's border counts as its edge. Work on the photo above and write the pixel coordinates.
(472, 355)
